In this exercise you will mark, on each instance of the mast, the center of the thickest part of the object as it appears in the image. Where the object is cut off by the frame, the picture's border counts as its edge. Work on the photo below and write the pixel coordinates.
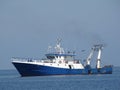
(58, 47)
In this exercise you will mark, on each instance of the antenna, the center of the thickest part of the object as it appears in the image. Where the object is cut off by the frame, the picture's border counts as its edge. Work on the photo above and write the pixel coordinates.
(58, 41)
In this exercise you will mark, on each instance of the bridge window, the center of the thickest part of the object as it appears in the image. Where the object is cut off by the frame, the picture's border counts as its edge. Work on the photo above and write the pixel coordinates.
(50, 57)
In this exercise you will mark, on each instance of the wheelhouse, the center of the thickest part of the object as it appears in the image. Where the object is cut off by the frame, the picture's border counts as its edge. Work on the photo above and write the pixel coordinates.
(60, 56)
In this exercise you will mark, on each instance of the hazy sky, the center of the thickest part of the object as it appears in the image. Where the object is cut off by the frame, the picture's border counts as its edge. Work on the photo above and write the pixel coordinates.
(27, 27)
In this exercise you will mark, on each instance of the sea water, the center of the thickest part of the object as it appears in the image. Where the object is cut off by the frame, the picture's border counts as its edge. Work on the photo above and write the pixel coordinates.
(11, 80)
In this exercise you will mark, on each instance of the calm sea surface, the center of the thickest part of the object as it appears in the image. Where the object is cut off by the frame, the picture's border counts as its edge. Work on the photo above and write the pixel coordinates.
(11, 80)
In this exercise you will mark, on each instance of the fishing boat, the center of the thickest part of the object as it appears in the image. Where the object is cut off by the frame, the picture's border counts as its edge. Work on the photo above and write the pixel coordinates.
(60, 62)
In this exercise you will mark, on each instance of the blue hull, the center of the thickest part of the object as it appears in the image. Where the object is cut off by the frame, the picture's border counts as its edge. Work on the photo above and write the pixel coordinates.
(39, 70)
